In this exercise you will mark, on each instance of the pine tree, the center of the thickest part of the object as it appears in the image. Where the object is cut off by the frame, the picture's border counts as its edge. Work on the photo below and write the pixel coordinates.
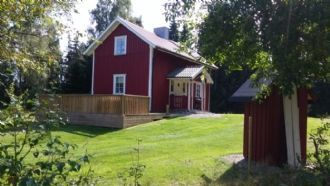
(185, 33)
(174, 32)
(77, 69)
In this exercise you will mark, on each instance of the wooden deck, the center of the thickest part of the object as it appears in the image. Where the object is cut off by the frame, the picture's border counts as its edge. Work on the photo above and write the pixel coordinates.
(114, 111)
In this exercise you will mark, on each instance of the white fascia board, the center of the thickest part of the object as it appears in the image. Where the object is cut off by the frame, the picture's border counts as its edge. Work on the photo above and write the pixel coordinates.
(198, 72)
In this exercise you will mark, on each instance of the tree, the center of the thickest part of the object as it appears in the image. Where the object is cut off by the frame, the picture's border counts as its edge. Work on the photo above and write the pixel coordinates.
(174, 32)
(185, 34)
(77, 69)
(285, 41)
(29, 45)
(107, 10)
(29, 53)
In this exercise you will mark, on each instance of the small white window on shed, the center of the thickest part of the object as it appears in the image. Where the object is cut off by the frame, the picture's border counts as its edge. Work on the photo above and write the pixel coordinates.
(120, 45)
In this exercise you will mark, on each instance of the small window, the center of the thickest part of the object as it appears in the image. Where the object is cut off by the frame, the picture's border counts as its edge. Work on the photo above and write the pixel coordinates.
(184, 88)
(120, 45)
(198, 91)
(172, 85)
(119, 83)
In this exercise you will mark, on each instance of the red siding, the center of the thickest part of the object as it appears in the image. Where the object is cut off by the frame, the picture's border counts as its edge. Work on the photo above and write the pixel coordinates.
(162, 65)
(268, 129)
(207, 97)
(134, 64)
(303, 104)
(178, 102)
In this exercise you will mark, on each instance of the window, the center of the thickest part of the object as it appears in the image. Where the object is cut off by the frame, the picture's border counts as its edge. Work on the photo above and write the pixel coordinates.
(119, 83)
(184, 88)
(198, 90)
(172, 86)
(120, 45)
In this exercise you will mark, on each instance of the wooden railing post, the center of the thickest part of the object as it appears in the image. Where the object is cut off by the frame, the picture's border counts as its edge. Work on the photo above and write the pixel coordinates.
(123, 105)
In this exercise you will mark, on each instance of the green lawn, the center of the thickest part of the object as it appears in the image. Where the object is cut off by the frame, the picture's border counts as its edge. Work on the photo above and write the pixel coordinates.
(175, 151)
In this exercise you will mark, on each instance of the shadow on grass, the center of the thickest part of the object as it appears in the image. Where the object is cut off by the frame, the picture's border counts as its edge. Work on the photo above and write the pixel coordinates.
(88, 131)
(238, 174)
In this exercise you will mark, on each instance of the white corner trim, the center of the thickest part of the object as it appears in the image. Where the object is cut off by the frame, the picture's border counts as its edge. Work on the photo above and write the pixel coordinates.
(93, 67)
(151, 56)
(114, 84)
(292, 130)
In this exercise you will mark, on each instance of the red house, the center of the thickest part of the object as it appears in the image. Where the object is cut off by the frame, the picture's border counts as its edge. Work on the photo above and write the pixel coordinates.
(130, 60)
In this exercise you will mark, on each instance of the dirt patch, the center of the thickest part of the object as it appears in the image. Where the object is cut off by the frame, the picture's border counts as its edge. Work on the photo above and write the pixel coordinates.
(233, 158)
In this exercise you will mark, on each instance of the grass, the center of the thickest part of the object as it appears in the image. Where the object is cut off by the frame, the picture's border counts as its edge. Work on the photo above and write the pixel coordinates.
(175, 151)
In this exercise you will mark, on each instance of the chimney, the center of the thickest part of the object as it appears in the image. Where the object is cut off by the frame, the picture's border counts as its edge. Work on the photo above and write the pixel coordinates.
(162, 32)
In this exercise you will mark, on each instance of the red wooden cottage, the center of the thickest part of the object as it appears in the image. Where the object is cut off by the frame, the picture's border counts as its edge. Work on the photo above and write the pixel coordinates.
(130, 60)
(279, 125)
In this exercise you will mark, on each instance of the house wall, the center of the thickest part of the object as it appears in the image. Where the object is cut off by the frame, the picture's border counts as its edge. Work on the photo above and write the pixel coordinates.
(268, 129)
(205, 93)
(163, 63)
(207, 97)
(135, 64)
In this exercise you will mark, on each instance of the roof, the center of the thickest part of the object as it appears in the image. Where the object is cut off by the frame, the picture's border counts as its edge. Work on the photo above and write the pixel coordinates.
(189, 72)
(186, 72)
(246, 92)
(152, 39)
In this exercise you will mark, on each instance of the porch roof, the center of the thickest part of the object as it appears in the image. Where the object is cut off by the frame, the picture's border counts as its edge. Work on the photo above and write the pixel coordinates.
(189, 72)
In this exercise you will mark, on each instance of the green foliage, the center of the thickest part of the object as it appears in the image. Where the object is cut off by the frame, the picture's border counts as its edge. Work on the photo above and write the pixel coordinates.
(320, 158)
(107, 10)
(29, 45)
(28, 136)
(185, 34)
(174, 32)
(283, 41)
(321, 102)
(77, 69)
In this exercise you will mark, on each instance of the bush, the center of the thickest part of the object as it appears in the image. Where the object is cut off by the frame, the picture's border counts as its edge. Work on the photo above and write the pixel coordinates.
(320, 158)
(29, 154)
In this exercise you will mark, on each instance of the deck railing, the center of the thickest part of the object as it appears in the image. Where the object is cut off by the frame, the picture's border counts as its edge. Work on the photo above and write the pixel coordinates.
(112, 104)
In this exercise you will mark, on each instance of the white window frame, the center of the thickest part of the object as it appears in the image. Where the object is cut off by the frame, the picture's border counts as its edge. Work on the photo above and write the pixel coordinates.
(200, 90)
(115, 52)
(114, 84)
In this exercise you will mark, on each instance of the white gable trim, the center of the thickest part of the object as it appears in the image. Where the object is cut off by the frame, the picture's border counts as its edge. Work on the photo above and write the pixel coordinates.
(109, 30)
(207, 76)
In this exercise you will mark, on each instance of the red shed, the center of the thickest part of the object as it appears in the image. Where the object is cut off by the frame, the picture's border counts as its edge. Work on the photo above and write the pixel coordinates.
(279, 125)
(128, 59)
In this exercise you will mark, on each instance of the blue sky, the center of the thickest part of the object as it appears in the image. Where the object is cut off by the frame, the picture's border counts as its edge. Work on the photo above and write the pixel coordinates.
(152, 12)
